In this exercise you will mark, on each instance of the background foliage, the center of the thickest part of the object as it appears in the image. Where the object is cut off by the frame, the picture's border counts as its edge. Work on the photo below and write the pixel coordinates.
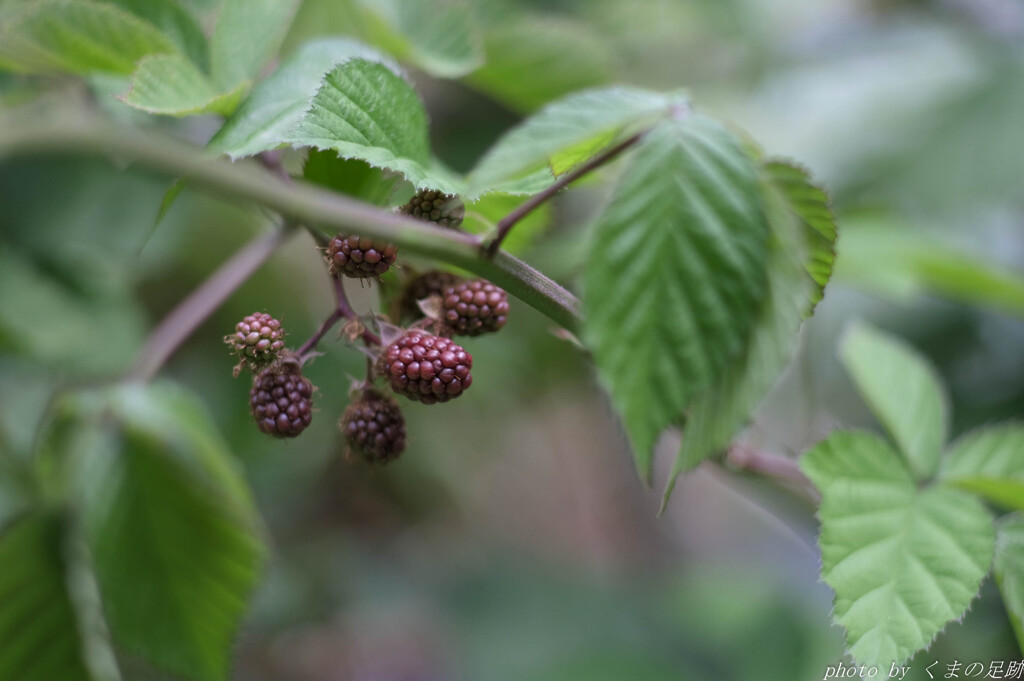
(512, 541)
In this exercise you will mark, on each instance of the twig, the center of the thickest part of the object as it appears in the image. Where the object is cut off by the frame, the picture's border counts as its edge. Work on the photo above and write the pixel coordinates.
(81, 132)
(179, 324)
(779, 469)
(509, 221)
(342, 310)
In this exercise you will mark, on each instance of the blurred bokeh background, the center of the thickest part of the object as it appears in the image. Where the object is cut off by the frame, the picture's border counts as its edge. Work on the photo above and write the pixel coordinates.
(513, 540)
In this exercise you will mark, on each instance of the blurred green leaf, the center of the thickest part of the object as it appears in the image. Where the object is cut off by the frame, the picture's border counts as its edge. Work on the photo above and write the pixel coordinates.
(989, 462)
(1009, 569)
(484, 214)
(580, 123)
(53, 321)
(175, 22)
(898, 262)
(903, 391)
(688, 216)
(171, 84)
(247, 35)
(353, 177)
(77, 36)
(561, 56)
(903, 561)
(169, 522)
(363, 110)
(48, 629)
(439, 36)
(799, 267)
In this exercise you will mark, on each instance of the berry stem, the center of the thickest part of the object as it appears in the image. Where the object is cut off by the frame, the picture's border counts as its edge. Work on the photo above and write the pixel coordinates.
(85, 132)
(342, 310)
(180, 322)
(509, 221)
(782, 470)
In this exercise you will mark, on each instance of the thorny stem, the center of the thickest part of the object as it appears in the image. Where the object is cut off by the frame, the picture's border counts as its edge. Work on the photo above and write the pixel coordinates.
(509, 221)
(179, 324)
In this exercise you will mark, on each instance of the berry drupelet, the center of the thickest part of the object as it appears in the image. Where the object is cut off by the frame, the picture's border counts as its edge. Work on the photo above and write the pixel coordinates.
(474, 307)
(359, 257)
(432, 283)
(374, 428)
(426, 368)
(281, 400)
(434, 206)
(258, 341)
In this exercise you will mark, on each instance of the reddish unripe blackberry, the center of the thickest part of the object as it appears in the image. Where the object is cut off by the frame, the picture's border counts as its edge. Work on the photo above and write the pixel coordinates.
(258, 341)
(474, 307)
(360, 256)
(432, 283)
(434, 206)
(374, 428)
(426, 368)
(281, 400)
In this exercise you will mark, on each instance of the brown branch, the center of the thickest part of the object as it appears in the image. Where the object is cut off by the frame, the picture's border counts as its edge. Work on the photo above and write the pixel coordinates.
(509, 221)
(342, 310)
(179, 324)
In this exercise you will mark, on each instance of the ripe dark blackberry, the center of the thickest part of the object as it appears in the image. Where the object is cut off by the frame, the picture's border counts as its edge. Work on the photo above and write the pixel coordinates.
(374, 428)
(360, 256)
(432, 283)
(281, 400)
(258, 341)
(474, 307)
(426, 368)
(444, 209)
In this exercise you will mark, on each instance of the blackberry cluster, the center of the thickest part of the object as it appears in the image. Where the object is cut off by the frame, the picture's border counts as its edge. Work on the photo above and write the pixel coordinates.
(281, 400)
(434, 206)
(359, 257)
(258, 341)
(374, 428)
(432, 283)
(474, 307)
(426, 368)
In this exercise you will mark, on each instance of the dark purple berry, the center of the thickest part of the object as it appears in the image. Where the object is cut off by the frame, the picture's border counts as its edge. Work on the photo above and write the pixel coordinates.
(434, 206)
(426, 368)
(474, 307)
(360, 256)
(374, 428)
(281, 400)
(432, 283)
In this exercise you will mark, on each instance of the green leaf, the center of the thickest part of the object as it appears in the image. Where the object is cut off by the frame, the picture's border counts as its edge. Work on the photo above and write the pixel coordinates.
(903, 561)
(688, 218)
(897, 261)
(438, 36)
(171, 84)
(55, 321)
(989, 462)
(350, 176)
(78, 36)
(561, 56)
(276, 105)
(799, 266)
(571, 124)
(809, 204)
(247, 34)
(45, 615)
(1009, 569)
(364, 110)
(903, 391)
(171, 526)
(175, 22)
